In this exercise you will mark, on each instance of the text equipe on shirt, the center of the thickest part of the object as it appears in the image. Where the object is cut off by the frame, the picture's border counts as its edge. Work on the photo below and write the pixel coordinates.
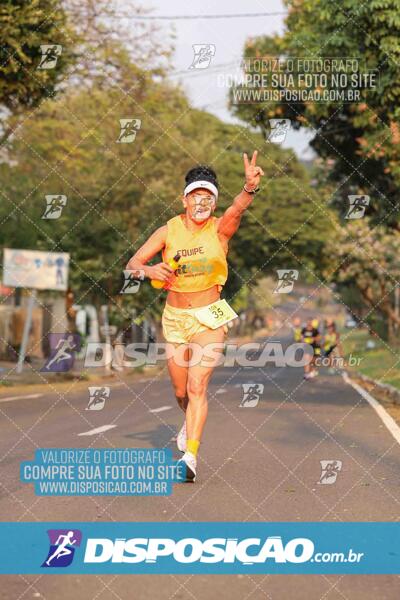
(191, 251)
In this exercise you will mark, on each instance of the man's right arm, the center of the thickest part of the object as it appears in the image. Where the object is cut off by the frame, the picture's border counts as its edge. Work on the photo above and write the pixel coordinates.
(150, 248)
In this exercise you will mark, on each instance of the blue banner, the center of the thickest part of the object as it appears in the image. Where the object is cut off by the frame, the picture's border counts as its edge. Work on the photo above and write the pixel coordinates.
(102, 472)
(205, 547)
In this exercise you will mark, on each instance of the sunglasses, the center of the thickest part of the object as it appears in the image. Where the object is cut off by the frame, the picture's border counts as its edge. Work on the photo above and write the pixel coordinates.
(202, 200)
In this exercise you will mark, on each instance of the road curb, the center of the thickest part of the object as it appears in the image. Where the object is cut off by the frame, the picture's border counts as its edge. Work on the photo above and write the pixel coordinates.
(389, 392)
(377, 406)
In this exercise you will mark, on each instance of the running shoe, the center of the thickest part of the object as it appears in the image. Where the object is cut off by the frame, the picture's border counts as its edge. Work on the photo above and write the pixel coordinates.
(181, 438)
(190, 462)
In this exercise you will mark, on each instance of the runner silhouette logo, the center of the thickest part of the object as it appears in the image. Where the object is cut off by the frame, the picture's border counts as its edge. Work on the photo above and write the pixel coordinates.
(329, 471)
(62, 547)
(97, 397)
(279, 129)
(54, 206)
(286, 280)
(203, 53)
(251, 394)
(132, 279)
(128, 130)
(358, 204)
(62, 355)
(49, 55)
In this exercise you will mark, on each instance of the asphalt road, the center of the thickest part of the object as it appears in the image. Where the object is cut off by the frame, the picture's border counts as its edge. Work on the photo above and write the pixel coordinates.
(256, 464)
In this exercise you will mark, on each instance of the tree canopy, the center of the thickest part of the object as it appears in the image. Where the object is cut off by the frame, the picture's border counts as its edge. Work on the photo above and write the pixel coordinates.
(359, 141)
(24, 28)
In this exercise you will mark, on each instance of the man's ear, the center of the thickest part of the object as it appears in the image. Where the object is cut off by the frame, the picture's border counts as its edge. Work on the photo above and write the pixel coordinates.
(184, 202)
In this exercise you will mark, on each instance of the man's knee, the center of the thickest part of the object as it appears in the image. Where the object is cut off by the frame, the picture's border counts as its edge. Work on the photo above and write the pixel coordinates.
(196, 386)
(180, 390)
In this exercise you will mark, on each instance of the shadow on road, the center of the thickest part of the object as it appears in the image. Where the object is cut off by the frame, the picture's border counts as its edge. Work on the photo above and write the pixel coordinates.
(158, 437)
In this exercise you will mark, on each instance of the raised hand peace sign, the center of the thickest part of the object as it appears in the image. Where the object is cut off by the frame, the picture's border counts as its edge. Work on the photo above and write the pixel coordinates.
(251, 171)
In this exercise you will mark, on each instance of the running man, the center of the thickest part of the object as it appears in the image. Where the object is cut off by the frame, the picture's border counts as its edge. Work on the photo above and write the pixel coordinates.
(296, 329)
(201, 240)
(316, 345)
(62, 549)
(331, 342)
(310, 335)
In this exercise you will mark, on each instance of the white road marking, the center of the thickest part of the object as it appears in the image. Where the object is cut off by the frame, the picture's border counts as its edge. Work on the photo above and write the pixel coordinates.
(98, 430)
(160, 409)
(221, 391)
(11, 398)
(388, 421)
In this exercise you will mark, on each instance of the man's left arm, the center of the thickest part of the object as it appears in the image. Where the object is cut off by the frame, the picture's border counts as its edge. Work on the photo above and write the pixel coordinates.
(229, 223)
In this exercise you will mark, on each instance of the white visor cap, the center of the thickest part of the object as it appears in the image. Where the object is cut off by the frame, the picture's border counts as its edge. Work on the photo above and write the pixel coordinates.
(207, 185)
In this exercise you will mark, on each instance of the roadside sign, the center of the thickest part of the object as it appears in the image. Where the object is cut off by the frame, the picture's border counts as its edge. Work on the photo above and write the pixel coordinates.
(36, 270)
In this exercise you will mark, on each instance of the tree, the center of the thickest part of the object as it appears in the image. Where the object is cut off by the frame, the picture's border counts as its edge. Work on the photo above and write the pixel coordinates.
(98, 49)
(371, 264)
(106, 32)
(359, 141)
(25, 26)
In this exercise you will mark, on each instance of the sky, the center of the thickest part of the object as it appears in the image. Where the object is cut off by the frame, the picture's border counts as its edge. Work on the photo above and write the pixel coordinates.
(206, 88)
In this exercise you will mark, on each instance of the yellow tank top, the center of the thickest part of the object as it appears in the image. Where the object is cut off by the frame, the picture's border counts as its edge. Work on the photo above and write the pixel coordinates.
(297, 334)
(203, 260)
(330, 340)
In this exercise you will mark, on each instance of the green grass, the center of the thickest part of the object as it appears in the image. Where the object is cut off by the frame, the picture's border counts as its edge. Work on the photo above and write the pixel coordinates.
(6, 383)
(382, 363)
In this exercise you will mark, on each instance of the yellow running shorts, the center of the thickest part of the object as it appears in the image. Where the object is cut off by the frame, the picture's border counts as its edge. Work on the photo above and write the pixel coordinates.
(181, 324)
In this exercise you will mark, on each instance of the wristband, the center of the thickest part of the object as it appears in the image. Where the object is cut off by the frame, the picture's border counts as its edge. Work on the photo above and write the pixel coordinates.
(257, 189)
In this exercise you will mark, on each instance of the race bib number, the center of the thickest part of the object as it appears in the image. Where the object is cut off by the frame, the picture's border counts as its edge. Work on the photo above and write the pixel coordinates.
(216, 314)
